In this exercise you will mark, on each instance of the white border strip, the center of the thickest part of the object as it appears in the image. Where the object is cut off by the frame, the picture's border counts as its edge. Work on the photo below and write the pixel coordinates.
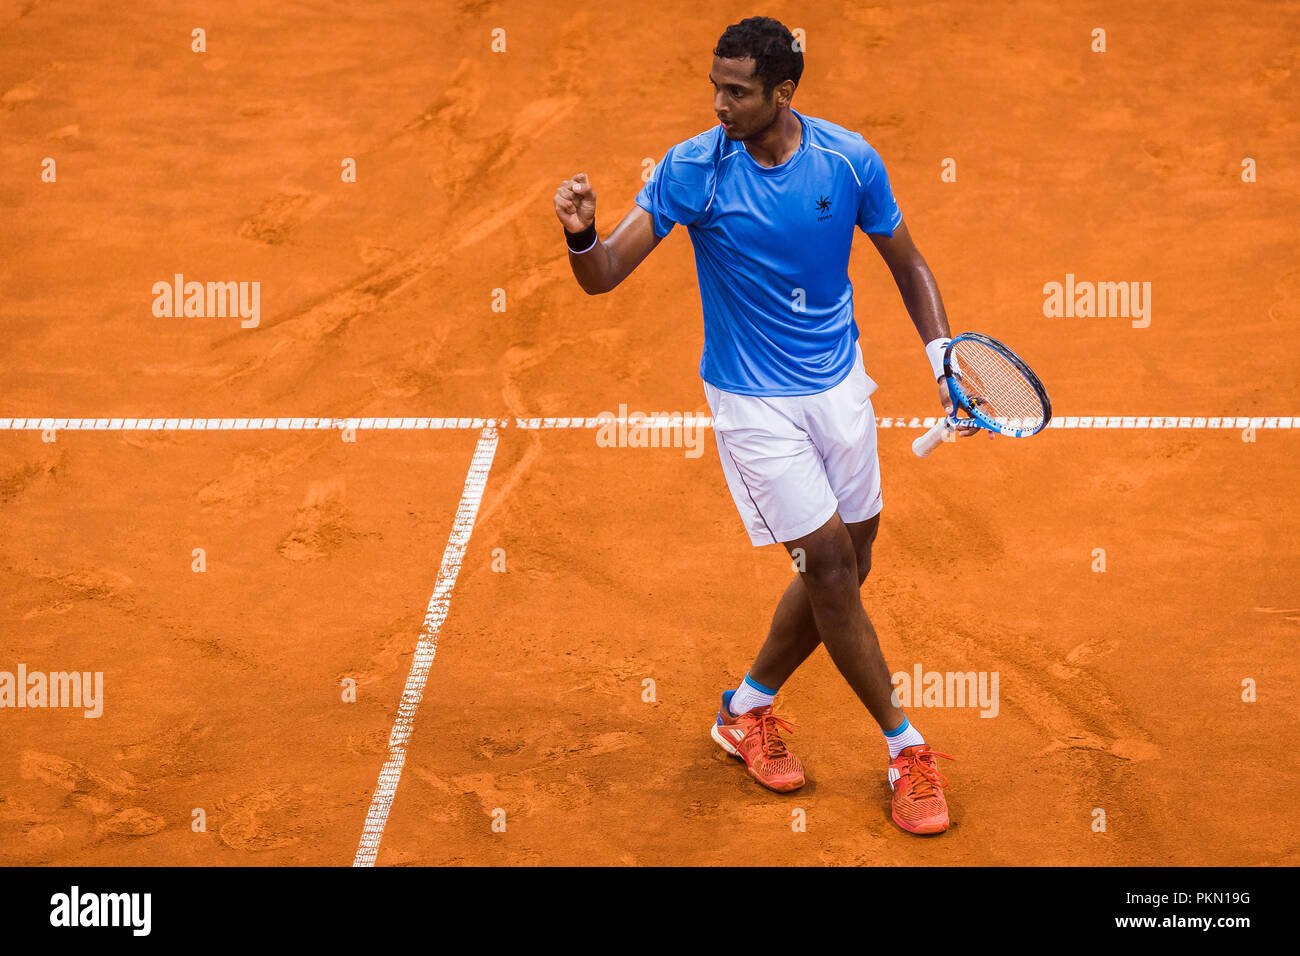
(466, 514)
(658, 421)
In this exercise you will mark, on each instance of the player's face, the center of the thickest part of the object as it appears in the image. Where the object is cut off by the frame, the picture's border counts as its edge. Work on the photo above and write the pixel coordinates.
(738, 99)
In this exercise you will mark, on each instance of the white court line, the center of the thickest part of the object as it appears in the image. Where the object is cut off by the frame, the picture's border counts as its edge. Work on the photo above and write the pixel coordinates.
(466, 513)
(658, 421)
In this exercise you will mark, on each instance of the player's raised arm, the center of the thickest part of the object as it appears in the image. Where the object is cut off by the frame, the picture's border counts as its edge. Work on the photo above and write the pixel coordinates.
(599, 265)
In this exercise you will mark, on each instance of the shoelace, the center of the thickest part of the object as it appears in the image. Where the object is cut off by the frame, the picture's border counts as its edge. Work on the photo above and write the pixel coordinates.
(769, 731)
(923, 776)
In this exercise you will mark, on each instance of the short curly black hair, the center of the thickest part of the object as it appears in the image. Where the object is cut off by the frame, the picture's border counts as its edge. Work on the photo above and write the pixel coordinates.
(773, 47)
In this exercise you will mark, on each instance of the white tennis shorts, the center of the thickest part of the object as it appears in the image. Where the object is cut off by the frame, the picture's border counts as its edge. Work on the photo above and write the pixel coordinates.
(792, 462)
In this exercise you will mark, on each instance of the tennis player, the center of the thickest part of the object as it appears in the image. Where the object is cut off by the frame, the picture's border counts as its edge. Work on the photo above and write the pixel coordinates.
(770, 198)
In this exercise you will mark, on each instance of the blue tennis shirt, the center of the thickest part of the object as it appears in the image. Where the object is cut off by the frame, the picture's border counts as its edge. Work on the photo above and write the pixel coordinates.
(772, 251)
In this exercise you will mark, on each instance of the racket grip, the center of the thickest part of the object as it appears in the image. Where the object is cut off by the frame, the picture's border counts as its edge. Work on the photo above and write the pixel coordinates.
(932, 439)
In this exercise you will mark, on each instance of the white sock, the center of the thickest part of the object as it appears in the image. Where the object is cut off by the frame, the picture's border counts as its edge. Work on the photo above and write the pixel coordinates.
(748, 695)
(904, 736)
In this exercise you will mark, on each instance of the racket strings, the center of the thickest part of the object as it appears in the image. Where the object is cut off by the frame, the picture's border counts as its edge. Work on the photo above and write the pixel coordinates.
(998, 386)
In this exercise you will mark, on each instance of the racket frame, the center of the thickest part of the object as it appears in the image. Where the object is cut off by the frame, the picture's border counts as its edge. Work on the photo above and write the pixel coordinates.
(961, 400)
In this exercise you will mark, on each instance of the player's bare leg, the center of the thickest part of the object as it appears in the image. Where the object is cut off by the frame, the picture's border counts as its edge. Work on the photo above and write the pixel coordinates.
(831, 583)
(832, 579)
(793, 635)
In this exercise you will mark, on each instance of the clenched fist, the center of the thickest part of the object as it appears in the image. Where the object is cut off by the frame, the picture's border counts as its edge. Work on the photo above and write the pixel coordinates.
(575, 203)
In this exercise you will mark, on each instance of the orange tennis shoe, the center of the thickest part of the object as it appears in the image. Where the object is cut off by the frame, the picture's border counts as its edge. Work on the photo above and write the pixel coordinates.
(918, 803)
(755, 738)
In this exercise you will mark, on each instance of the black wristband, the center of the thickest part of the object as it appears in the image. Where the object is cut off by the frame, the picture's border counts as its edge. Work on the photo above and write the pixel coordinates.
(579, 242)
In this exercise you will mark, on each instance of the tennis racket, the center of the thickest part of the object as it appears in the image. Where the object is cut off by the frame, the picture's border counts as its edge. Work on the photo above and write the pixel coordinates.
(994, 387)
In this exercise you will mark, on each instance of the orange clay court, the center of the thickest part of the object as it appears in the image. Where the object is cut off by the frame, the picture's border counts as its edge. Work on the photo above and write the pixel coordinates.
(554, 576)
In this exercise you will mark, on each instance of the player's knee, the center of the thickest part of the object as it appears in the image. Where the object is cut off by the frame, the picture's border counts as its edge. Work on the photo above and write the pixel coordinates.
(832, 572)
